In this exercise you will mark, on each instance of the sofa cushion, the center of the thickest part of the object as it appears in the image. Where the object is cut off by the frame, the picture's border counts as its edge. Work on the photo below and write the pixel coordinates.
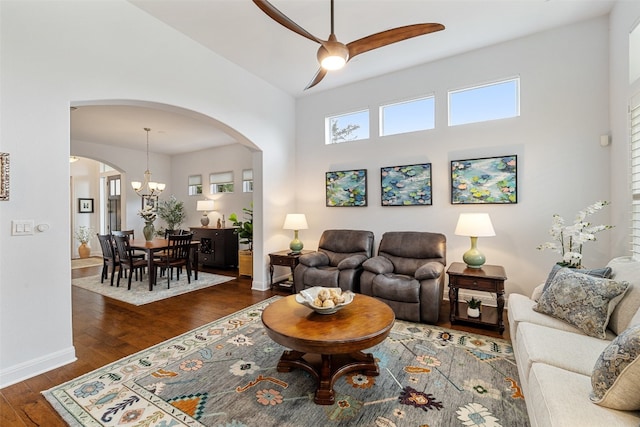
(558, 397)
(603, 273)
(582, 300)
(616, 375)
(574, 352)
(625, 269)
(521, 311)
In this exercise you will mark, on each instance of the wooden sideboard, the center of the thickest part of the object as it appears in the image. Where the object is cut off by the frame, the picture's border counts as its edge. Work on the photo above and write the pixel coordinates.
(218, 246)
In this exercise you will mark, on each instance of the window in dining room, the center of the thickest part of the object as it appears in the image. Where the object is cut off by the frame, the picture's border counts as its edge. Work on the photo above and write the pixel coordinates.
(195, 185)
(221, 182)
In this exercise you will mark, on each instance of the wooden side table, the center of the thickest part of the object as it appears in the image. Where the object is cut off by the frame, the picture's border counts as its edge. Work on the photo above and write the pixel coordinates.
(285, 259)
(489, 278)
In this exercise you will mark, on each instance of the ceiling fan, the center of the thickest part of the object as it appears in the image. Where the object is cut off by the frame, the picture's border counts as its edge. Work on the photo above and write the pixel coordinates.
(332, 54)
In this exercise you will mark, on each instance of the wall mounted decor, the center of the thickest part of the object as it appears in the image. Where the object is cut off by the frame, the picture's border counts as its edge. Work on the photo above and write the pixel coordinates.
(484, 181)
(150, 201)
(85, 205)
(4, 176)
(346, 188)
(408, 185)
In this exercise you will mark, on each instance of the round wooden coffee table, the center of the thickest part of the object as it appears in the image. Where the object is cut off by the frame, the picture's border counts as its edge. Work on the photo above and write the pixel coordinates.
(328, 345)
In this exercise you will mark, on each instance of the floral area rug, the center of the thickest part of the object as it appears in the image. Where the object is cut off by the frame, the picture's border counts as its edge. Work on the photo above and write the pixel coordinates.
(140, 294)
(224, 374)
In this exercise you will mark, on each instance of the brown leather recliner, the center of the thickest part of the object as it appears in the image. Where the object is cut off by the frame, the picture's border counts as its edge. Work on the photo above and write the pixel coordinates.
(337, 262)
(408, 274)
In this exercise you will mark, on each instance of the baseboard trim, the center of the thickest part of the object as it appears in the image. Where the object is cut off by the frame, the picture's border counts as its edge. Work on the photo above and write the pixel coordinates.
(31, 368)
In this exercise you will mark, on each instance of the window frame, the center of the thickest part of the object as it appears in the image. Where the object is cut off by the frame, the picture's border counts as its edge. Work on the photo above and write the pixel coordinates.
(328, 125)
(453, 92)
(224, 185)
(381, 114)
(194, 188)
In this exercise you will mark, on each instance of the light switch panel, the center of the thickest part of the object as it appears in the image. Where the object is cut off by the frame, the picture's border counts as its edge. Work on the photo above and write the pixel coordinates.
(22, 227)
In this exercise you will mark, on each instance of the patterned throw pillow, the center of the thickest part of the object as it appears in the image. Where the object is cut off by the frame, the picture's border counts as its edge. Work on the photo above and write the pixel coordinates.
(584, 301)
(604, 272)
(616, 375)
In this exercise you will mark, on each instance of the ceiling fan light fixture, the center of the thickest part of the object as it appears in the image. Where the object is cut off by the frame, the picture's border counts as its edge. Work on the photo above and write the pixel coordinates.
(333, 55)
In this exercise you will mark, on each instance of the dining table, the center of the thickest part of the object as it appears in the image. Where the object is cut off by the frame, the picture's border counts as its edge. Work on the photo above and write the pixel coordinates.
(157, 245)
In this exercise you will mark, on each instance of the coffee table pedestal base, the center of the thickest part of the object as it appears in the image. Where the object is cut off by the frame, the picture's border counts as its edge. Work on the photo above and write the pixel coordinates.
(327, 368)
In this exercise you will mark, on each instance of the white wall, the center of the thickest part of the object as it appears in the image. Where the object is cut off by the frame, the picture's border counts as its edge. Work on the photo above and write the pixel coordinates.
(232, 158)
(562, 167)
(85, 175)
(59, 53)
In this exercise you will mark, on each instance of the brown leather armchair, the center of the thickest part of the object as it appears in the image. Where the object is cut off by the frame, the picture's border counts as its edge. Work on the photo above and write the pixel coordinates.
(337, 262)
(408, 274)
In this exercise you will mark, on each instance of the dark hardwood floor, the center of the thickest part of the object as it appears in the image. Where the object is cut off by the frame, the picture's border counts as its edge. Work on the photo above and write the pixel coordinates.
(105, 330)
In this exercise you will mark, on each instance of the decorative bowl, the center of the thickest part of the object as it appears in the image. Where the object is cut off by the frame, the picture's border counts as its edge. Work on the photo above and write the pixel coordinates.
(307, 296)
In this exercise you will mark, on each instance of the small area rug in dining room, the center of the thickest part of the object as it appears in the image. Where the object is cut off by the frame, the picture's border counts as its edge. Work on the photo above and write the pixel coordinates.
(224, 374)
(140, 294)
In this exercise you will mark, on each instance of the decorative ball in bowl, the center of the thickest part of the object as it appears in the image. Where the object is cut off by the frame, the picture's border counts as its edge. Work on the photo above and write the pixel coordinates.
(324, 300)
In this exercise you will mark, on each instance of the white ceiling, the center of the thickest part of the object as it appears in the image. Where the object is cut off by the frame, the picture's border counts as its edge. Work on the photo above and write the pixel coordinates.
(243, 34)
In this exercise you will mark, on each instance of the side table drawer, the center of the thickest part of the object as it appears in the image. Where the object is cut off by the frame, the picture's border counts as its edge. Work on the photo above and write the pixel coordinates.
(283, 261)
(474, 283)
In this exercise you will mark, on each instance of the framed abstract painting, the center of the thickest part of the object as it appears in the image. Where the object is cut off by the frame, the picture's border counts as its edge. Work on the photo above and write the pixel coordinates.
(489, 180)
(408, 185)
(346, 188)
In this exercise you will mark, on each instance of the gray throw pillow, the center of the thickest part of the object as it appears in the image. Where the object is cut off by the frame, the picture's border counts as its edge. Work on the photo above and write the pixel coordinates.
(584, 301)
(616, 375)
(604, 273)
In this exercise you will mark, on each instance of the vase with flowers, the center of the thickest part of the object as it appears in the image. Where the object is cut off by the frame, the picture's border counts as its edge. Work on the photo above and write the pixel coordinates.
(149, 216)
(569, 239)
(83, 235)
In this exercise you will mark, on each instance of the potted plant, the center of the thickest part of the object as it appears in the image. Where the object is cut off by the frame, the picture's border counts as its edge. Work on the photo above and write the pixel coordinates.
(244, 231)
(473, 307)
(172, 212)
(83, 235)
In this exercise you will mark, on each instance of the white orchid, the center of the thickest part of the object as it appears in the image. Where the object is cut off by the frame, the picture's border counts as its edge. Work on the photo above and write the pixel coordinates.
(147, 213)
(568, 239)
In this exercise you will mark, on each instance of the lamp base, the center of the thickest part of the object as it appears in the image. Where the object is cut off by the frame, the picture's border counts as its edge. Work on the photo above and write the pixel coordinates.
(296, 246)
(204, 220)
(473, 257)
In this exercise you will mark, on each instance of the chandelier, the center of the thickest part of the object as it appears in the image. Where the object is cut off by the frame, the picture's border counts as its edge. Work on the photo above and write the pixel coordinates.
(148, 187)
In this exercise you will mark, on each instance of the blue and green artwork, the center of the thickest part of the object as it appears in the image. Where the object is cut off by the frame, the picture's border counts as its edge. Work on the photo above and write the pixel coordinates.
(488, 180)
(408, 185)
(347, 188)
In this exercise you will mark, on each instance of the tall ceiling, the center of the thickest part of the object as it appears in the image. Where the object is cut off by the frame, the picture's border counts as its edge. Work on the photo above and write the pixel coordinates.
(243, 34)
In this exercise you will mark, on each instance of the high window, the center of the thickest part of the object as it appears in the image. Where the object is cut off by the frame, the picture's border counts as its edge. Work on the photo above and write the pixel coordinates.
(195, 185)
(407, 116)
(492, 101)
(247, 181)
(347, 127)
(221, 182)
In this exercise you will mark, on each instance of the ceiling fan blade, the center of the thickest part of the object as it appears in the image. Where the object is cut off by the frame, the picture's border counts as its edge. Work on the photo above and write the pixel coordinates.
(387, 37)
(317, 78)
(282, 19)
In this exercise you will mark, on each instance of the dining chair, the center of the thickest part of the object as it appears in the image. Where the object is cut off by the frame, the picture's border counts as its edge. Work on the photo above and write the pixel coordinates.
(109, 257)
(177, 255)
(132, 235)
(128, 261)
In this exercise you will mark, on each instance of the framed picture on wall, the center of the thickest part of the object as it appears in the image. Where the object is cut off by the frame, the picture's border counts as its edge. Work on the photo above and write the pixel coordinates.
(408, 185)
(4, 176)
(489, 180)
(346, 188)
(85, 205)
(150, 201)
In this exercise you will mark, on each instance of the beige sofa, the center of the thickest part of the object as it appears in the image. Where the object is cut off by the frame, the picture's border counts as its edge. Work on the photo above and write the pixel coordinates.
(556, 360)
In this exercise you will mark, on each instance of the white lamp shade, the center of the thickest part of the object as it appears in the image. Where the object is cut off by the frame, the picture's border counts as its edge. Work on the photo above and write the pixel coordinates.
(204, 205)
(475, 225)
(295, 222)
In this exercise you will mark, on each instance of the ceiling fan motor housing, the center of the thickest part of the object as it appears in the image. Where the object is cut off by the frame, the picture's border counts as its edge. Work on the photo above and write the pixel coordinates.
(332, 55)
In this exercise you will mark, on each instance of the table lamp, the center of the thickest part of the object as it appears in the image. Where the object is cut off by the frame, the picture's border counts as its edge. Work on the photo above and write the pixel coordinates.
(295, 222)
(204, 206)
(474, 225)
